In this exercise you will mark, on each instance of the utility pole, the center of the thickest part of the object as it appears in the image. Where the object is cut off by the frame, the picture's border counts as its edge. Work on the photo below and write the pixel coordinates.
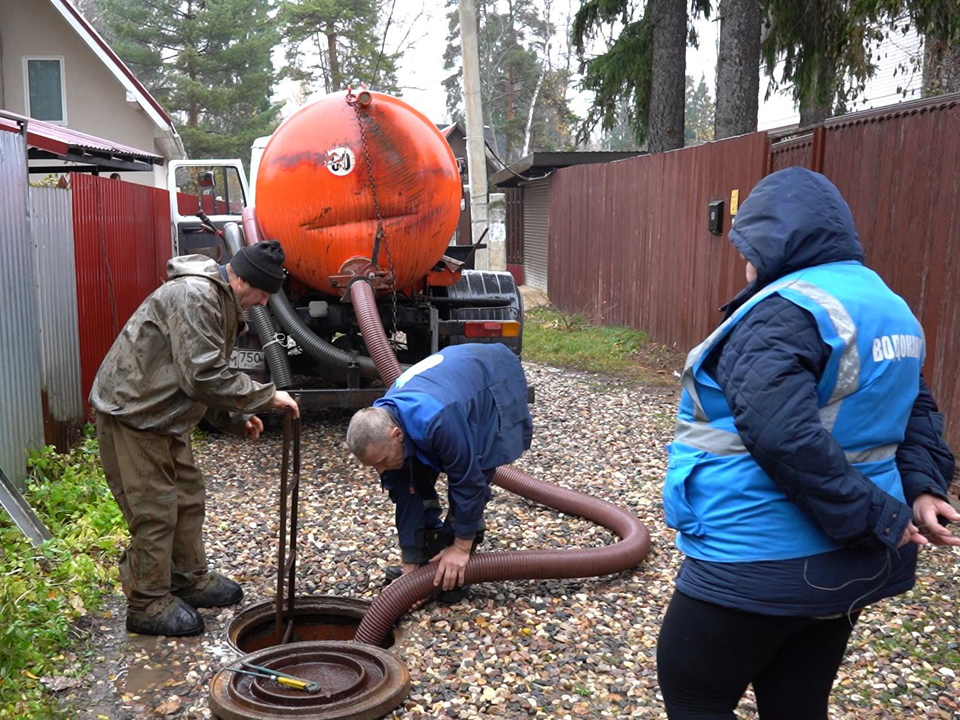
(473, 109)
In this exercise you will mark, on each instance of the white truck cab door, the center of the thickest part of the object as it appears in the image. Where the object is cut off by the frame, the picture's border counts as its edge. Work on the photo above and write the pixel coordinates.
(216, 187)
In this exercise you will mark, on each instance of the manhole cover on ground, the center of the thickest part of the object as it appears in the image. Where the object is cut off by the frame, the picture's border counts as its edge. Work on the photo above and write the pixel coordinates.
(357, 681)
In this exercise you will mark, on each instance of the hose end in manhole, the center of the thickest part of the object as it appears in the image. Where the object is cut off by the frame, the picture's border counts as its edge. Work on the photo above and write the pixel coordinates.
(356, 681)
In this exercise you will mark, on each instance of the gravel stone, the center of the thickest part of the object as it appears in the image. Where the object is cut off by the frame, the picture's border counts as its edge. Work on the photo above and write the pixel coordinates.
(557, 648)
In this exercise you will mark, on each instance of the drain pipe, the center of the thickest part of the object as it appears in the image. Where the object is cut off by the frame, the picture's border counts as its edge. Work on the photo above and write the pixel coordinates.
(398, 597)
(275, 353)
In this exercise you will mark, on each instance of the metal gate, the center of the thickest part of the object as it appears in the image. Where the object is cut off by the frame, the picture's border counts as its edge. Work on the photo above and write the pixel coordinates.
(536, 198)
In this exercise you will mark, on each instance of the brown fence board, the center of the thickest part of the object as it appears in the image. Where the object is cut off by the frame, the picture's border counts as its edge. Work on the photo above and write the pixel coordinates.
(122, 242)
(798, 151)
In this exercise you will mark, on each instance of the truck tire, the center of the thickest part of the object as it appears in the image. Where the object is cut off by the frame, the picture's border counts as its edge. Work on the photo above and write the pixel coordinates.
(487, 284)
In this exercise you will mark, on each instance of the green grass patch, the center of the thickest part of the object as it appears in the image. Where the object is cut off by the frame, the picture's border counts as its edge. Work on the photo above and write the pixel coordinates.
(571, 341)
(44, 591)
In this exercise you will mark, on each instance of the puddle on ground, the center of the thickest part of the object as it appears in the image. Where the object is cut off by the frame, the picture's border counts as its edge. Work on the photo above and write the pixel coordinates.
(155, 664)
(139, 679)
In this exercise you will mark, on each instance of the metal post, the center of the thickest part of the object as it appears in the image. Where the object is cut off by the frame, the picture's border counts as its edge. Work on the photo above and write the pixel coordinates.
(473, 110)
(294, 510)
(282, 544)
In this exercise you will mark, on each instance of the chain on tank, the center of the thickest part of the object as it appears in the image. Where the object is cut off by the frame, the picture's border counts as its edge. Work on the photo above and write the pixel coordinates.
(381, 234)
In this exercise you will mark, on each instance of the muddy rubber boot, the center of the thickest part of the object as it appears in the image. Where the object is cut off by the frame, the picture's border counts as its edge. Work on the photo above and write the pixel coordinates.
(176, 619)
(391, 573)
(214, 590)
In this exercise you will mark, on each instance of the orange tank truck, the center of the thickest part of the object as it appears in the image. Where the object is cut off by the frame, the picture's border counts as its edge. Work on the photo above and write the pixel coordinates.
(323, 189)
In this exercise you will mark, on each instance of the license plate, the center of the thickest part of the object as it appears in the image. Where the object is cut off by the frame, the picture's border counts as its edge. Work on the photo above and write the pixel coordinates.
(247, 360)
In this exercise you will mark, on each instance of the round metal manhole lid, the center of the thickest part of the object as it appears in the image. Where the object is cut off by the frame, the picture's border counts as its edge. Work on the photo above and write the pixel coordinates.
(356, 681)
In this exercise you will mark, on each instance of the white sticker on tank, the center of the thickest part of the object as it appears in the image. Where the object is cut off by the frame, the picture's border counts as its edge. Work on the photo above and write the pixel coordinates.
(340, 161)
(411, 372)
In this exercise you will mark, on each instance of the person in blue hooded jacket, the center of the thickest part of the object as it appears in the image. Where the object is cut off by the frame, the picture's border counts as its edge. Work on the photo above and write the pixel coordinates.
(461, 411)
(808, 464)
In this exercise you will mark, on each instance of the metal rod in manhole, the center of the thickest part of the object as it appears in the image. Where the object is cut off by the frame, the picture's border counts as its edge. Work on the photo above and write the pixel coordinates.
(287, 564)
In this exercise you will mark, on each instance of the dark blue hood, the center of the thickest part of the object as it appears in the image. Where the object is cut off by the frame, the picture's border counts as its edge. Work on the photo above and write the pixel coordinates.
(793, 219)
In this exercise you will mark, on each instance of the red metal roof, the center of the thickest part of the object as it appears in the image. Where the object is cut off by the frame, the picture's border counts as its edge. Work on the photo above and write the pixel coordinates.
(62, 140)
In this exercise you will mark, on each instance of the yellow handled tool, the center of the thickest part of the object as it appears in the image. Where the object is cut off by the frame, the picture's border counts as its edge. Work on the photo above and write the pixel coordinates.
(289, 682)
(283, 679)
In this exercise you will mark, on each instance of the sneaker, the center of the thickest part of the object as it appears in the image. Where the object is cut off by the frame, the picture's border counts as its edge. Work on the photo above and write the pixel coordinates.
(176, 619)
(213, 590)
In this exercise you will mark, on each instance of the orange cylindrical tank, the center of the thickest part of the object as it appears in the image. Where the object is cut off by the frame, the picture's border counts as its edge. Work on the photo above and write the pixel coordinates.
(314, 193)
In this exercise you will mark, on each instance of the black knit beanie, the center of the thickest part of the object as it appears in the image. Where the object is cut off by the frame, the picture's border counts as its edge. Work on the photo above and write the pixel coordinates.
(261, 265)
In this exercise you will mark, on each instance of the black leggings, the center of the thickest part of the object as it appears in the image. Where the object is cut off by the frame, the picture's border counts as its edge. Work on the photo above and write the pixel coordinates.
(708, 654)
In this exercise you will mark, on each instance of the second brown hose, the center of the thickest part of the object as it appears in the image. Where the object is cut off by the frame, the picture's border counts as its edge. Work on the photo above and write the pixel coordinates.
(401, 594)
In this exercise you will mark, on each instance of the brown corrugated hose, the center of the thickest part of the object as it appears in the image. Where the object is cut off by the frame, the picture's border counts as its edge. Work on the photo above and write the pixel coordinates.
(401, 594)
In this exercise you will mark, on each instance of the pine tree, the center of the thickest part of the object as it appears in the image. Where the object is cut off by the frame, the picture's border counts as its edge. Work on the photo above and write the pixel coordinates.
(515, 72)
(335, 43)
(939, 23)
(738, 68)
(822, 48)
(207, 62)
(699, 113)
(620, 135)
(643, 63)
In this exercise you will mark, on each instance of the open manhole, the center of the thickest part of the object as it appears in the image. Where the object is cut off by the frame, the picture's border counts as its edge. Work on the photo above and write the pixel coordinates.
(316, 617)
(355, 681)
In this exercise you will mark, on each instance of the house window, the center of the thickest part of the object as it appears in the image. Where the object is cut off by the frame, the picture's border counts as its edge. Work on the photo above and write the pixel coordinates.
(45, 90)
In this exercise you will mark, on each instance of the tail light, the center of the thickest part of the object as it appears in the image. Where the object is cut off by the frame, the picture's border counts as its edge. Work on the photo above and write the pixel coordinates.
(491, 328)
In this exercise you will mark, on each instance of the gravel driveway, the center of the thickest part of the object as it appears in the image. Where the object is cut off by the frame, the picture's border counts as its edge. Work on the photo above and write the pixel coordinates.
(520, 649)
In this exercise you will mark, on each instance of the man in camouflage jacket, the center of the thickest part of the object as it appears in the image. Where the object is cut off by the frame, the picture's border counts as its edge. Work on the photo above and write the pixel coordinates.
(167, 370)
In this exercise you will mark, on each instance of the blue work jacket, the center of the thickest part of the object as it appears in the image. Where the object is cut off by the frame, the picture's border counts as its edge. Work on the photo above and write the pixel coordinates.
(463, 411)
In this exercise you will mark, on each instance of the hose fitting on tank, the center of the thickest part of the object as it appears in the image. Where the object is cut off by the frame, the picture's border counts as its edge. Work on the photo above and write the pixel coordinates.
(362, 98)
(361, 268)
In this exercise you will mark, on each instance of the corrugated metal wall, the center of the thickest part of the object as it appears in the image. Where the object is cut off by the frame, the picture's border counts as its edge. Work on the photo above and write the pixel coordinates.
(122, 245)
(629, 243)
(51, 225)
(536, 208)
(21, 418)
(899, 170)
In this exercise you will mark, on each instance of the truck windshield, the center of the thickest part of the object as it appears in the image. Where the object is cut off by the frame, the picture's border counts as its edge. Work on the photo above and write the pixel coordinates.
(215, 189)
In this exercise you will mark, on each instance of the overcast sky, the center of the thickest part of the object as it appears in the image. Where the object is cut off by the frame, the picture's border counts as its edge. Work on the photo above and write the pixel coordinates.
(421, 68)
